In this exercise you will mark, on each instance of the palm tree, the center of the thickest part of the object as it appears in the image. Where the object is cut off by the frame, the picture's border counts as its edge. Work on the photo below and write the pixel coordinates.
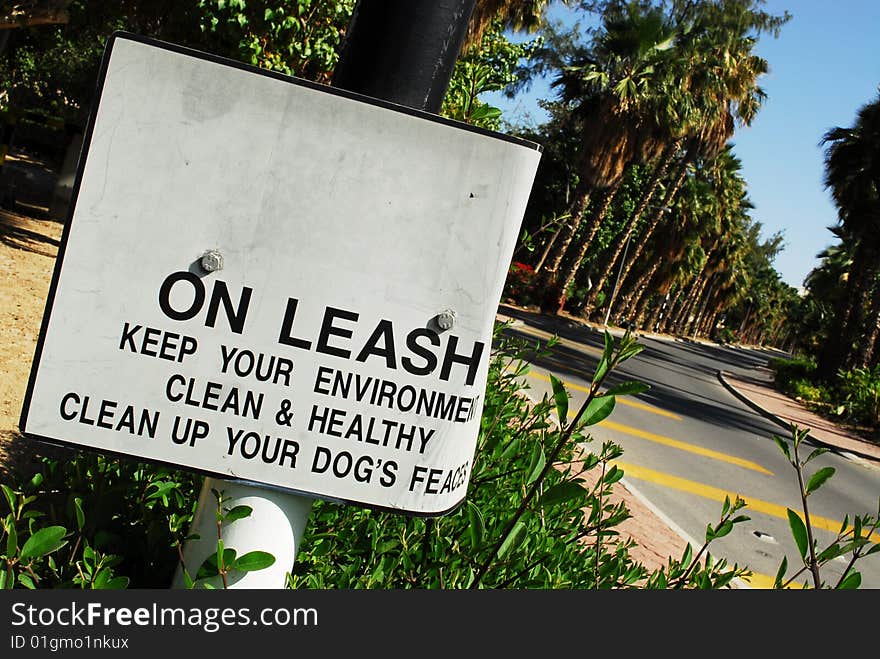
(513, 14)
(852, 174)
(611, 91)
(717, 81)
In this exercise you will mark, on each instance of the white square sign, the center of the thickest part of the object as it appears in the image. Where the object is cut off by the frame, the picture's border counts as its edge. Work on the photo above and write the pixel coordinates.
(268, 280)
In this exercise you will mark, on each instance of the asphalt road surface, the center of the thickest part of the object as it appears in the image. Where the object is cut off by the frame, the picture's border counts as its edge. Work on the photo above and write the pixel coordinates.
(687, 442)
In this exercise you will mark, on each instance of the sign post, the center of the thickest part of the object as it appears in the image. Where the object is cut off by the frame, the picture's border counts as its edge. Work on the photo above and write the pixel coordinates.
(289, 288)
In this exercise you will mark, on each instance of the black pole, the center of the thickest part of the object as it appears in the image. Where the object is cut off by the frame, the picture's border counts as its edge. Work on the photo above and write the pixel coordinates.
(403, 51)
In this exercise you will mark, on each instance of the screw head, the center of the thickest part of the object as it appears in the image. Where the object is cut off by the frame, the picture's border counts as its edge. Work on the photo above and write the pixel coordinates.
(211, 261)
(446, 319)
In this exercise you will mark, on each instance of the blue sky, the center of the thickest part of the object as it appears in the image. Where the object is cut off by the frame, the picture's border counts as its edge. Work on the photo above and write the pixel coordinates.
(823, 67)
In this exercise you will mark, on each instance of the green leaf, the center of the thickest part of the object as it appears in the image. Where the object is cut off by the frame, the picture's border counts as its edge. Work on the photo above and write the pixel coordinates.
(831, 552)
(723, 529)
(798, 531)
(780, 573)
(511, 449)
(597, 410)
(43, 542)
(816, 453)
(513, 540)
(536, 464)
(117, 583)
(26, 581)
(80, 515)
(613, 475)
(819, 478)
(687, 556)
(209, 567)
(484, 112)
(783, 446)
(560, 397)
(11, 541)
(476, 525)
(627, 389)
(238, 512)
(10, 497)
(601, 370)
(37, 480)
(853, 580)
(562, 492)
(3, 577)
(253, 561)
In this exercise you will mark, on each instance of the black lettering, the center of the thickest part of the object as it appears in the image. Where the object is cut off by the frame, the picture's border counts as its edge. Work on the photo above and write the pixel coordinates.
(68, 416)
(414, 347)
(384, 333)
(433, 481)
(187, 347)
(127, 338)
(287, 324)
(322, 455)
(451, 357)
(212, 394)
(169, 342)
(289, 450)
(389, 474)
(322, 378)
(172, 380)
(105, 411)
(235, 317)
(417, 476)
(151, 335)
(165, 295)
(328, 329)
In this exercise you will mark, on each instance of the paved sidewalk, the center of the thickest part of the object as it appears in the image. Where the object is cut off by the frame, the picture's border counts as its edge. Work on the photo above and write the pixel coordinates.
(757, 392)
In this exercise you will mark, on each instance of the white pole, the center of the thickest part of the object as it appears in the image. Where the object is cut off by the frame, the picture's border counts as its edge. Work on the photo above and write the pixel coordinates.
(276, 526)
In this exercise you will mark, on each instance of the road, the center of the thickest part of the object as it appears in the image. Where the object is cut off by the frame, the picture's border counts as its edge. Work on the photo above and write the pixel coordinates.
(688, 442)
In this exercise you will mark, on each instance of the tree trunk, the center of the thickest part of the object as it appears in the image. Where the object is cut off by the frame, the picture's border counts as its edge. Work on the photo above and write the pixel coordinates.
(865, 353)
(565, 234)
(643, 297)
(703, 306)
(654, 220)
(583, 244)
(639, 289)
(619, 244)
(683, 322)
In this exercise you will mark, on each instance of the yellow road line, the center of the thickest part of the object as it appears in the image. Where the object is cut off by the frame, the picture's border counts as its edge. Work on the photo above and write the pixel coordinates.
(581, 347)
(684, 446)
(765, 581)
(622, 401)
(717, 494)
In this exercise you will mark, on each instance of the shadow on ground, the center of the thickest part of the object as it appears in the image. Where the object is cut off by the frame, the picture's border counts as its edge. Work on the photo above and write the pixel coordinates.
(20, 456)
(14, 233)
(684, 356)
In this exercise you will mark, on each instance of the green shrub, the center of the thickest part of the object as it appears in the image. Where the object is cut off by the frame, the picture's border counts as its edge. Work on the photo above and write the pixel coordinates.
(787, 371)
(859, 393)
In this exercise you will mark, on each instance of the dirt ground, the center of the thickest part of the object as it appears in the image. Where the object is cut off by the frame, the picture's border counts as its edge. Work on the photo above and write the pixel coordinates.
(28, 247)
(29, 243)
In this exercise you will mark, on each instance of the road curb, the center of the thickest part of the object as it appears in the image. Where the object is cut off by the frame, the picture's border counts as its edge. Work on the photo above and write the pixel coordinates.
(812, 439)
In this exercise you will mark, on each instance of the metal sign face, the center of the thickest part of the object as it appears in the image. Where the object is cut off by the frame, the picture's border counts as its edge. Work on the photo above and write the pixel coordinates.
(267, 280)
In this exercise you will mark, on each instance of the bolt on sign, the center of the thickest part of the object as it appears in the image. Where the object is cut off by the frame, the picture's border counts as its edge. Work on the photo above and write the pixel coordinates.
(273, 281)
